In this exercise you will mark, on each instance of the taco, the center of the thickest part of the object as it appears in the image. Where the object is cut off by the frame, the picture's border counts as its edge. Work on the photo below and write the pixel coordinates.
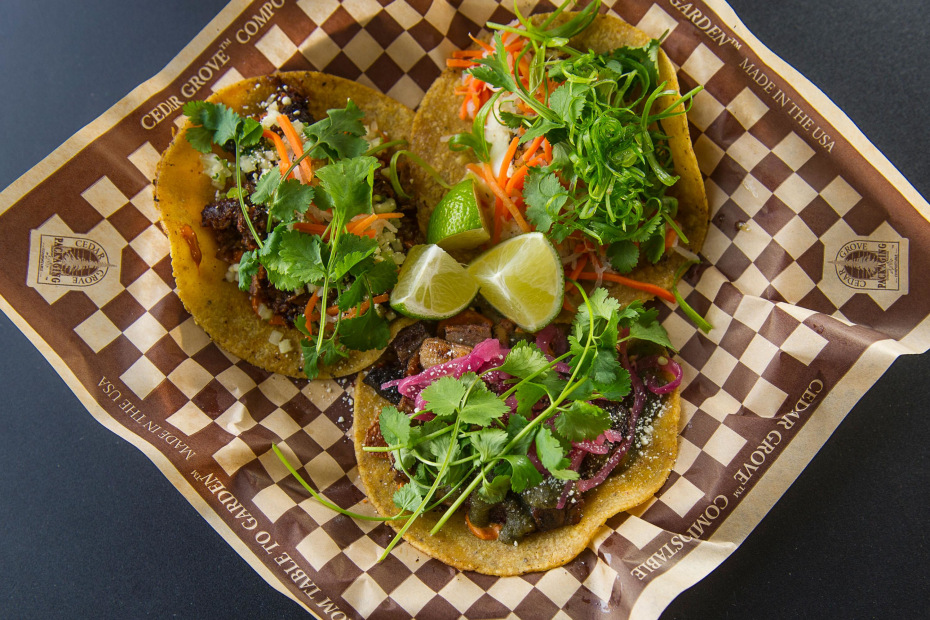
(254, 256)
(589, 143)
(547, 495)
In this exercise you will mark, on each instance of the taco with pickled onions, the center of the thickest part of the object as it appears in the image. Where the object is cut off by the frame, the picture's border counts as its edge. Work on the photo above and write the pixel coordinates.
(573, 125)
(285, 228)
(503, 452)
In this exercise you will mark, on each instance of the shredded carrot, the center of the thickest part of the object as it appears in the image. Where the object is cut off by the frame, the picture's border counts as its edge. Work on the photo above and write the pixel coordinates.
(255, 304)
(491, 532)
(284, 162)
(311, 304)
(670, 237)
(579, 266)
(498, 221)
(362, 224)
(547, 149)
(464, 63)
(297, 146)
(276, 320)
(514, 211)
(380, 299)
(533, 146)
(508, 159)
(658, 291)
(487, 46)
(467, 53)
(567, 305)
(517, 179)
(313, 229)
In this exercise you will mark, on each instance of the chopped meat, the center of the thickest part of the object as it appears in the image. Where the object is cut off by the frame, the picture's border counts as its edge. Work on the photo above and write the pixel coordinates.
(408, 340)
(542, 499)
(469, 335)
(379, 375)
(503, 331)
(406, 405)
(293, 104)
(232, 232)
(437, 351)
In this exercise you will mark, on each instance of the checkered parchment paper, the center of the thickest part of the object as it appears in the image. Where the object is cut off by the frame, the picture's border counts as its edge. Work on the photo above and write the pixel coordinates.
(805, 280)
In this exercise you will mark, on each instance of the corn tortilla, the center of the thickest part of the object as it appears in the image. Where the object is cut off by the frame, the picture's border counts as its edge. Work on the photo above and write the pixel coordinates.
(182, 191)
(438, 118)
(635, 480)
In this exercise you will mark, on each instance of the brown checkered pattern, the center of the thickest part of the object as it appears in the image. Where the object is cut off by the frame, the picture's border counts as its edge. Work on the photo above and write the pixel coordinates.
(776, 199)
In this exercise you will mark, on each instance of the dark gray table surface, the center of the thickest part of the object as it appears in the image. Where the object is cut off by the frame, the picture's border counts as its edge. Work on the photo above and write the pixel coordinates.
(90, 528)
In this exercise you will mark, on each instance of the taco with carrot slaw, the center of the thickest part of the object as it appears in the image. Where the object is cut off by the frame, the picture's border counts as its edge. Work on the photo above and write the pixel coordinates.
(574, 126)
(504, 452)
(285, 229)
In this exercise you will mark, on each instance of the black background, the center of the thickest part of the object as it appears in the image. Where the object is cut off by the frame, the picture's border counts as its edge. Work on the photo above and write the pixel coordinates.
(90, 528)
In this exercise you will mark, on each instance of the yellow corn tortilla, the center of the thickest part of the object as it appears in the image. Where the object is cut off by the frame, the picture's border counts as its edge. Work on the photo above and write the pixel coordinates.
(635, 480)
(438, 118)
(182, 191)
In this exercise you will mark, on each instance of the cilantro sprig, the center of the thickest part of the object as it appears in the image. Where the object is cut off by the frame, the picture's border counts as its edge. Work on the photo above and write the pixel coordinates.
(469, 448)
(339, 265)
(612, 165)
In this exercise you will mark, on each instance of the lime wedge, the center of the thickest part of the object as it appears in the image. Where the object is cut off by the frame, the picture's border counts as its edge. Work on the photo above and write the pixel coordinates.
(523, 279)
(432, 285)
(457, 222)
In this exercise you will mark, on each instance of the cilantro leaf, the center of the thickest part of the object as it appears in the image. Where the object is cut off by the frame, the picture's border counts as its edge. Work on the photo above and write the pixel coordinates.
(283, 199)
(352, 249)
(248, 267)
(623, 255)
(250, 133)
(545, 197)
(280, 272)
(528, 394)
(407, 497)
(524, 360)
(301, 254)
(327, 356)
(338, 136)
(352, 296)
(552, 455)
(523, 473)
(348, 184)
(266, 186)
(366, 332)
(618, 388)
(515, 424)
(494, 492)
(381, 277)
(395, 426)
(489, 442)
(604, 366)
(444, 396)
(582, 421)
(568, 100)
(200, 138)
(648, 328)
(482, 406)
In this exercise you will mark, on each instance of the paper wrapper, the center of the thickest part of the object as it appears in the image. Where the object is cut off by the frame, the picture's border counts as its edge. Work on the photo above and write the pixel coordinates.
(813, 236)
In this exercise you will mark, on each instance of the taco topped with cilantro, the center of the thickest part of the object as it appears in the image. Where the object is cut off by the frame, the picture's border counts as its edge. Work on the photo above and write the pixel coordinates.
(573, 125)
(285, 228)
(504, 452)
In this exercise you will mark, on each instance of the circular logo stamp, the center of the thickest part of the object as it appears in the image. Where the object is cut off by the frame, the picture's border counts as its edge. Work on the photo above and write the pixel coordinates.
(865, 264)
(71, 261)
